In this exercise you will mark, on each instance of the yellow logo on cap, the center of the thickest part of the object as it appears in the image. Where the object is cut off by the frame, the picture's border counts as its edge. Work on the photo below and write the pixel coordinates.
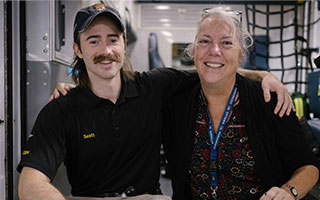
(99, 6)
(25, 152)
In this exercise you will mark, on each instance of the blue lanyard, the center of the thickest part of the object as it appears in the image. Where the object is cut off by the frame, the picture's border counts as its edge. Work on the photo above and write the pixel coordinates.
(214, 138)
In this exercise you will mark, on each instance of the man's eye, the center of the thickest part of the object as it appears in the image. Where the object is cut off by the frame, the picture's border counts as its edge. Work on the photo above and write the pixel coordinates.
(114, 40)
(93, 42)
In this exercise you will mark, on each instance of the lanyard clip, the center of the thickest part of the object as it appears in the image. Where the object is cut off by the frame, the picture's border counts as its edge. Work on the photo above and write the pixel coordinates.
(214, 191)
(213, 166)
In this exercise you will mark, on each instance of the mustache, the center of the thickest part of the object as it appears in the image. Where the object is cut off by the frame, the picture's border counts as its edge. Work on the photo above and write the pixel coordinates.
(110, 57)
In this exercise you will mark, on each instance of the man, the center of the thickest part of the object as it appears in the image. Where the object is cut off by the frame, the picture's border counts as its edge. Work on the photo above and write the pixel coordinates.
(107, 130)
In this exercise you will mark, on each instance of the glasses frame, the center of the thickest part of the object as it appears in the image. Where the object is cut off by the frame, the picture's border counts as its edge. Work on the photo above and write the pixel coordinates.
(238, 13)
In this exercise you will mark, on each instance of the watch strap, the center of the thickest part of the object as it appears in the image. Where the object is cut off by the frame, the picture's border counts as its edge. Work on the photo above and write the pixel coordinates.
(293, 190)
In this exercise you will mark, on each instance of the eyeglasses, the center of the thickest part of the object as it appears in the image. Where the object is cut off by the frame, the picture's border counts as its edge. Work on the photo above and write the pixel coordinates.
(237, 13)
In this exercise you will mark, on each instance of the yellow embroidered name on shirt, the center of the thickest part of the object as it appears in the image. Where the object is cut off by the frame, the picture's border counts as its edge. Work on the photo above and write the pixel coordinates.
(91, 135)
(25, 152)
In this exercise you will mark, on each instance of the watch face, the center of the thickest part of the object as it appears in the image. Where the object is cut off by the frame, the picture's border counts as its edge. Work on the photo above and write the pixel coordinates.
(294, 192)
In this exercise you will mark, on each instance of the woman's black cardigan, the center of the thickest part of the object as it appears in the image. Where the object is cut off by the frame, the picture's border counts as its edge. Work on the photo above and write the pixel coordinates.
(278, 144)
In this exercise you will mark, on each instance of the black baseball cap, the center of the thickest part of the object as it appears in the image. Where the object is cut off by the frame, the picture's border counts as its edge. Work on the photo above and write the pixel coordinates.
(86, 15)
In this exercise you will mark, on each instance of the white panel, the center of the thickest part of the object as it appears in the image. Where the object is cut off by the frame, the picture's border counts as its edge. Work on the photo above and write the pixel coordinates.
(16, 103)
(2, 108)
(38, 31)
(41, 32)
(65, 55)
(175, 15)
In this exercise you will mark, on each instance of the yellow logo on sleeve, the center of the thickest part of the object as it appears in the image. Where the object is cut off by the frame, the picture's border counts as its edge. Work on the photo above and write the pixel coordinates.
(25, 152)
(91, 135)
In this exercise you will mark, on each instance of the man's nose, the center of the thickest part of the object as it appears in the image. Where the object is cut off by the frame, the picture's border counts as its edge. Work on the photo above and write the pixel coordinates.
(106, 49)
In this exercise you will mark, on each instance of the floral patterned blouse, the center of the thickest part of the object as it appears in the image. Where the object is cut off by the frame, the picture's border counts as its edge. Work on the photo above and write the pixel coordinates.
(237, 178)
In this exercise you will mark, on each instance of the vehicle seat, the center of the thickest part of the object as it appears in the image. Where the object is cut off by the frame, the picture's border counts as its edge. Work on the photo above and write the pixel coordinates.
(155, 60)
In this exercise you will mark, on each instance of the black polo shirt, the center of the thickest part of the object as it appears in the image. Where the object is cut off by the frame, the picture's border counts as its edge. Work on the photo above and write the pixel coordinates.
(106, 147)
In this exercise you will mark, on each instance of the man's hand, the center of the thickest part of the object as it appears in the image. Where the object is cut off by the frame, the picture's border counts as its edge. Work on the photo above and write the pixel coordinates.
(276, 193)
(62, 88)
(270, 83)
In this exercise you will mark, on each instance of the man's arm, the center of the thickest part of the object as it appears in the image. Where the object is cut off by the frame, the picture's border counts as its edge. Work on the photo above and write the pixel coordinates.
(303, 179)
(35, 185)
(253, 74)
(271, 83)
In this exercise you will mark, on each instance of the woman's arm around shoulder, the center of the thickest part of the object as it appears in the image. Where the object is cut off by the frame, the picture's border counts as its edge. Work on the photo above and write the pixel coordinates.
(62, 88)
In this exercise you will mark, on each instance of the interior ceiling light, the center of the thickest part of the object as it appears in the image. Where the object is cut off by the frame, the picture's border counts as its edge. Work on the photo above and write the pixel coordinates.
(164, 20)
(166, 33)
(162, 7)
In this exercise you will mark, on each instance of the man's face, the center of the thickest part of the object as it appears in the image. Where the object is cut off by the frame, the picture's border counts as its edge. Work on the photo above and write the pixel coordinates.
(102, 50)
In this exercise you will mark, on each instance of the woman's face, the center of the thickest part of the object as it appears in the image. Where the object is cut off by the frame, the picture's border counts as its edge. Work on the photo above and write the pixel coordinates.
(217, 52)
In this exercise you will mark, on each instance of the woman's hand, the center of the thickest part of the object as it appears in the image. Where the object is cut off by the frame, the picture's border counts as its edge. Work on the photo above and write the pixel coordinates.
(276, 193)
(270, 83)
(62, 88)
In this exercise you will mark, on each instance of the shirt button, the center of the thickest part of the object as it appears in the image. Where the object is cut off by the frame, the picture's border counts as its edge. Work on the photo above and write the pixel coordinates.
(113, 112)
(116, 128)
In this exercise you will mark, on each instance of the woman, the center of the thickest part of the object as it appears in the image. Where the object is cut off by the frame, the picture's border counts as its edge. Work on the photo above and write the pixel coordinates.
(222, 140)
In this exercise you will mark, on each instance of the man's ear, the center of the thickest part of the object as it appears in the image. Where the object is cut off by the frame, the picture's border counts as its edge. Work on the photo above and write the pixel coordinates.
(77, 50)
(125, 43)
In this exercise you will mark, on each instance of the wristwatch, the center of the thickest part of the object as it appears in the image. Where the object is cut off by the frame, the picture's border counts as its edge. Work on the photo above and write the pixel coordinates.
(293, 190)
